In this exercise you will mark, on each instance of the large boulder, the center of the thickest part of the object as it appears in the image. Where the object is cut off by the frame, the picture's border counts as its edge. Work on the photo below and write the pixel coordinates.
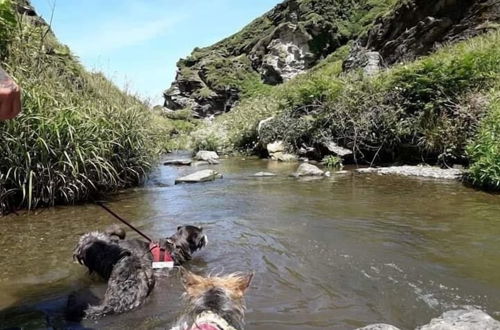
(200, 176)
(277, 146)
(464, 319)
(306, 169)
(207, 156)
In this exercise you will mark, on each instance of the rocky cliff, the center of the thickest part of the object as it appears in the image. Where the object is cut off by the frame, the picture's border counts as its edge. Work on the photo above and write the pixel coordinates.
(418, 27)
(297, 34)
(274, 48)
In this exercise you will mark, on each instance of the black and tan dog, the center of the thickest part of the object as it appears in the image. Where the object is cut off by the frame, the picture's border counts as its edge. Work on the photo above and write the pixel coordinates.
(127, 265)
(213, 303)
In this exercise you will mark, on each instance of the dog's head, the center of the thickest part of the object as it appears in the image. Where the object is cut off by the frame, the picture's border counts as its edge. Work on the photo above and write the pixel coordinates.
(191, 236)
(233, 285)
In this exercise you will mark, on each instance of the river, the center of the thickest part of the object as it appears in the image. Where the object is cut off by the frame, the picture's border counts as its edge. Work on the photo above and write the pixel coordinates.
(334, 253)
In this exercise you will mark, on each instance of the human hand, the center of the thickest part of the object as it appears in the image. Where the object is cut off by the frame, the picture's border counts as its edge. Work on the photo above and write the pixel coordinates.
(10, 97)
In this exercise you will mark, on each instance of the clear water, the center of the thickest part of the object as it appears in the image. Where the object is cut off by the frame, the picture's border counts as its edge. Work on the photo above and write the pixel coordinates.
(340, 252)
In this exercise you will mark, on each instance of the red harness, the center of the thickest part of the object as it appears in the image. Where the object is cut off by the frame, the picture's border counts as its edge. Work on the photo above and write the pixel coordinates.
(160, 256)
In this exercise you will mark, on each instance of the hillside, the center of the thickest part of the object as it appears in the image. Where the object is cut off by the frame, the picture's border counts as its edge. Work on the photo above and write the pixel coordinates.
(287, 41)
(419, 84)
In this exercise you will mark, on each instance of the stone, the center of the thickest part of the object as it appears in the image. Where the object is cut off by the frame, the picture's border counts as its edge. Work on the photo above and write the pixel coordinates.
(263, 174)
(463, 319)
(200, 176)
(200, 163)
(306, 169)
(284, 157)
(207, 156)
(379, 326)
(337, 150)
(178, 162)
(417, 171)
(277, 146)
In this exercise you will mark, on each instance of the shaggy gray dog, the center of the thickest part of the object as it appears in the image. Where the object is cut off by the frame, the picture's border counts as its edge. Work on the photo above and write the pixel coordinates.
(127, 264)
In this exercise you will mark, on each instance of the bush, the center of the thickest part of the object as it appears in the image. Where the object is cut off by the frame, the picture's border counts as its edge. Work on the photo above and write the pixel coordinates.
(78, 135)
(484, 150)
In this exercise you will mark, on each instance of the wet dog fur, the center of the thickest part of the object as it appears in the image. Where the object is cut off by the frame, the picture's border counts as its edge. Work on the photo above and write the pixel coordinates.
(127, 264)
(222, 297)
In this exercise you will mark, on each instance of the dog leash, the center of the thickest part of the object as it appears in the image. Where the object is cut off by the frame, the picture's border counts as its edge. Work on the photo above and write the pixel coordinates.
(124, 221)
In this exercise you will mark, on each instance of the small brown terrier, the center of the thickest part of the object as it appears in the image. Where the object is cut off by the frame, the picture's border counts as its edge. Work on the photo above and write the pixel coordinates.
(213, 303)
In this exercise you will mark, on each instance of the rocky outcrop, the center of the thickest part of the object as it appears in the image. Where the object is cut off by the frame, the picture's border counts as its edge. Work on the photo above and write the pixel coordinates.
(418, 27)
(274, 48)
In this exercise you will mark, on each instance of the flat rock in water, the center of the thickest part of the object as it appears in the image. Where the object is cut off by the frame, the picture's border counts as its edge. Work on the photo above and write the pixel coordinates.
(263, 174)
(200, 163)
(306, 169)
(200, 176)
(379, 326)
(178, 162)
(464, 319)
(207, 156)
(419, 171)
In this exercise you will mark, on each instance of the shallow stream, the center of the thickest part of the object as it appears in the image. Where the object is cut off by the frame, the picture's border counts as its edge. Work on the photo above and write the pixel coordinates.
(335, 253)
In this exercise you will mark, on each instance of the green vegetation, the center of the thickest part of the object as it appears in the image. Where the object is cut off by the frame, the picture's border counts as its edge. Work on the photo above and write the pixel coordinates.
(484, 149)
(78, 135)
(427, 110)
(333, 162)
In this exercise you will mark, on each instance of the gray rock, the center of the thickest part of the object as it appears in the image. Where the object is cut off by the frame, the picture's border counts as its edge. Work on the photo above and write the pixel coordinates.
(306, 169)
(178, 162)
(200, 163)
(200, 176)
(277, 146)
(337, 150)
(465, 319)
(418, 171)
(284, 157)
(264, 174)
(207, 156)
(379, 326)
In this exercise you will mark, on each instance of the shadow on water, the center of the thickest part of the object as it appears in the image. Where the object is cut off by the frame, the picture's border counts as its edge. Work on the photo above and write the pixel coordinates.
(340, 252)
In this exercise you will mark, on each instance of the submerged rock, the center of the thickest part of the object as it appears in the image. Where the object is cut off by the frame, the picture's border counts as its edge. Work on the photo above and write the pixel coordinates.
(418, 171)
(306, 169)
(200, 176)
(208, 156)
(178, 162)
(263, 174)
(464, 319)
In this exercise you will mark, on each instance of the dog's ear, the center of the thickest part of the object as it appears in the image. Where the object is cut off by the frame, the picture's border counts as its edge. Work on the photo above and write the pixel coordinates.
(244, 282)
(190, 279)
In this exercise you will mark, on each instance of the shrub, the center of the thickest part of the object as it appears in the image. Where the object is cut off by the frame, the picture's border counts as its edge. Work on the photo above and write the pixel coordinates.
(78, 135)
(484, 149)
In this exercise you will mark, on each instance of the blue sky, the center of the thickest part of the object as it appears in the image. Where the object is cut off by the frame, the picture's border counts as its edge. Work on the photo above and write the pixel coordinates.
(136, 43)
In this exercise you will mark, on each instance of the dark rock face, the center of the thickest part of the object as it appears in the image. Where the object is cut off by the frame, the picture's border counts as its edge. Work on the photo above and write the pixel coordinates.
(418, 27)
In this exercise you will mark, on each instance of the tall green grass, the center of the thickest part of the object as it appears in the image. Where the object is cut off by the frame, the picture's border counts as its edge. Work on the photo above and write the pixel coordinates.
(78, 136)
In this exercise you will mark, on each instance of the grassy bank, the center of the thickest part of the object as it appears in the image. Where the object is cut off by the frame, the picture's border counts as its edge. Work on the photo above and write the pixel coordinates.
(427, 110)
(78, 135)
